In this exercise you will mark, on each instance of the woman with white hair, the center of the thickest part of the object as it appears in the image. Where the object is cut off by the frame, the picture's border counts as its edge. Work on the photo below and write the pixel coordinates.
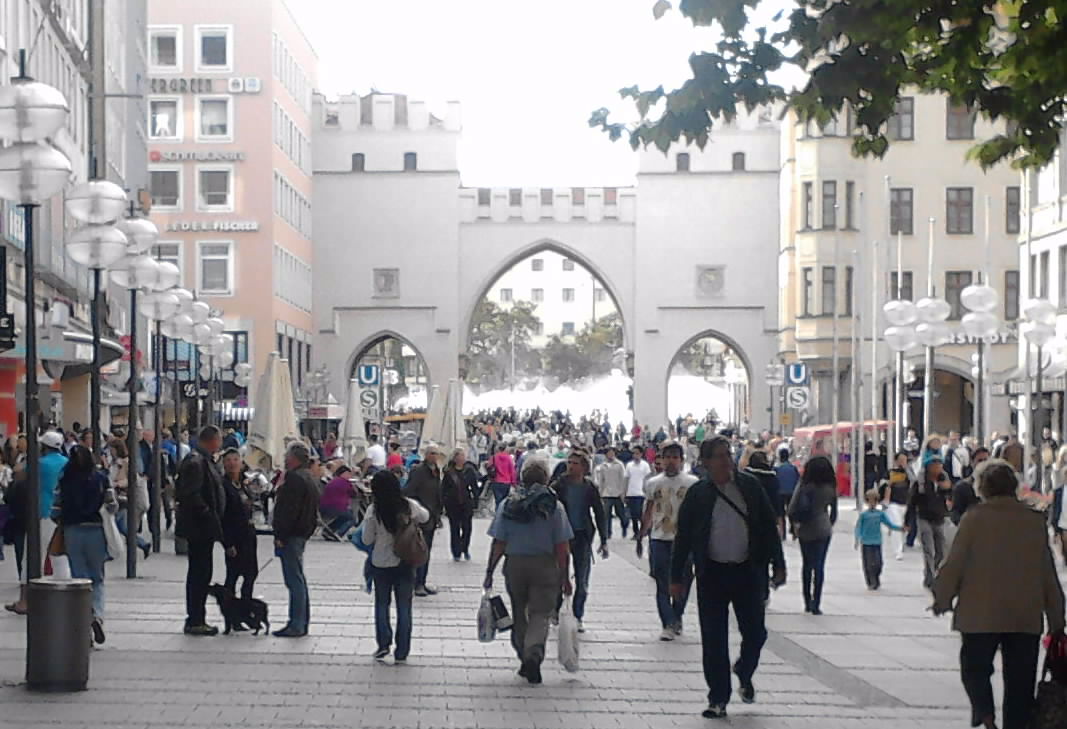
(460, 488)
(1000, 581)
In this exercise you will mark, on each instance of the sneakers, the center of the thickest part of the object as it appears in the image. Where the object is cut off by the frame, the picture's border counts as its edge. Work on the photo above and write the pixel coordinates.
(424, 591)
(289, 632)
(677, 628)
(666, 635)
(400, 661)
(98, 631)
(201, 630)
(147, 549)
(714, 711)
(747, 690)
(581, 627)
(381, 654)
(467, 556)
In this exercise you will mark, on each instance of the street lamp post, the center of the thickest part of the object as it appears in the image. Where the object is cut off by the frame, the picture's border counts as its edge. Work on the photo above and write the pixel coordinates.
(31, 171)
(932, 331)
(97, 246)
(1038, 327)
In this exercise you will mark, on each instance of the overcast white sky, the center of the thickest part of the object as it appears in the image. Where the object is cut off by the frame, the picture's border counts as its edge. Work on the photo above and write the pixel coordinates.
(528, 73)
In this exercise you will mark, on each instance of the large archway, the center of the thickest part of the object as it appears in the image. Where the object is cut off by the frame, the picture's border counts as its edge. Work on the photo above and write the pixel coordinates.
(709, 380)
(405, 379)
(546, 332)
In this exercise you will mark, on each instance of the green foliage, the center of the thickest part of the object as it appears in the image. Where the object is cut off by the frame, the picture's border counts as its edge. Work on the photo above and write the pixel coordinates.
(489, 357)
(1005, 60)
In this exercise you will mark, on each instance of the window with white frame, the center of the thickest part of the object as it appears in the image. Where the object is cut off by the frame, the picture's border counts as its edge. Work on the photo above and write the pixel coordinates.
(165, 49)
(214, 119)
(215, 268)
(214, 188)
(165, 186)
(165, 118)
(170, 252)
(214, 48)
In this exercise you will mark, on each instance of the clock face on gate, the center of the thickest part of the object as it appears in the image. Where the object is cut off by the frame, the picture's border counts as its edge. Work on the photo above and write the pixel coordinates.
(711, 280)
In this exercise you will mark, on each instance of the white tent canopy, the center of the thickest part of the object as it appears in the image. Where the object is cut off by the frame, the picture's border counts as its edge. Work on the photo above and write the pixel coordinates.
(274, 425)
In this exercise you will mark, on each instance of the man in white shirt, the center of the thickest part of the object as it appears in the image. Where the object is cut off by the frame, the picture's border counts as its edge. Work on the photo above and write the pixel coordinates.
(664, 494)
(637, 470)
(610, 477)
(376, 453)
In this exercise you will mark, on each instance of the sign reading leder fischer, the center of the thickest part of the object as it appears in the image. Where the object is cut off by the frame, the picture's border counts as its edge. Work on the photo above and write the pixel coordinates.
(212, 226)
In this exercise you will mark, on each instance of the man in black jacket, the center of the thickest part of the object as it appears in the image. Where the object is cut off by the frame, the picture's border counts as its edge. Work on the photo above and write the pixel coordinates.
(963, 493)
(201, 505)
(296, 510)
(425, 486)
(728, 527)
(581, 500)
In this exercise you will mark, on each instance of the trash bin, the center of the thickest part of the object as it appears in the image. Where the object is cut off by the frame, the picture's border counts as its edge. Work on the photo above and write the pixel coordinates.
(58, 639)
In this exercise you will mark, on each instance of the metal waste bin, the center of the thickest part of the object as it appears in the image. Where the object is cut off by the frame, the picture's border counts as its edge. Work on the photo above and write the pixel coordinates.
(58, 639)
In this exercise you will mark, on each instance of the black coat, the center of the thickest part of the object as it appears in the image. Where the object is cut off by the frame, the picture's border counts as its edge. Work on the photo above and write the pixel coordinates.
(694, 527)
(768, 479)
(460, 490)
(424, 485)
(296, 507)
(237, 520)
(201, 498)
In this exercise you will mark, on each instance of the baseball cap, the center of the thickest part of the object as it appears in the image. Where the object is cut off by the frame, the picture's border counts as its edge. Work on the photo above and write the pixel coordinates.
(52, 439)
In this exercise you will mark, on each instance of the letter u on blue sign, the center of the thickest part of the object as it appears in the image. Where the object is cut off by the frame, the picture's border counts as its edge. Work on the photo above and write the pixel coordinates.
(796, 374)
(368, 375)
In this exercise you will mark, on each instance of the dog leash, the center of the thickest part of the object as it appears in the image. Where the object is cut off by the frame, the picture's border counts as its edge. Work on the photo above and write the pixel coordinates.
(265, 566)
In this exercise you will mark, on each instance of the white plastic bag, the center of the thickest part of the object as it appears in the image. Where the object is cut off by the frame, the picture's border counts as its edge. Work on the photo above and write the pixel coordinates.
(568, 637)
(486, 620)
(116, 543)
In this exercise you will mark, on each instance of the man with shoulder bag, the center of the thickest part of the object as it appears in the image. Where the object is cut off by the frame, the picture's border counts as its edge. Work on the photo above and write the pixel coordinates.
(201, 506)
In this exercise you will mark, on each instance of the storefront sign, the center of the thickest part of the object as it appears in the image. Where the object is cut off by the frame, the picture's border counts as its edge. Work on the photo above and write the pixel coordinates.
(182, 85)
(199, 156)
(213, 226)
(1004, 336)
(13, 225)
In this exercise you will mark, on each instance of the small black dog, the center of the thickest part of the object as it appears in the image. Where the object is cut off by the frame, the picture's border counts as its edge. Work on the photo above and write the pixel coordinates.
(241, 613)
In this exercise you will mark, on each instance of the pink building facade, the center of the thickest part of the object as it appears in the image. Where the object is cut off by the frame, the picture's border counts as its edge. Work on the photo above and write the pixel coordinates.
(229, 140)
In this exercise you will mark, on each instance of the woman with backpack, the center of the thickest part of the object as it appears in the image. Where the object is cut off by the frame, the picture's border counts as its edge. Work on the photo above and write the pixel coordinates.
(390, 529)
(83, 490)
(814, 511)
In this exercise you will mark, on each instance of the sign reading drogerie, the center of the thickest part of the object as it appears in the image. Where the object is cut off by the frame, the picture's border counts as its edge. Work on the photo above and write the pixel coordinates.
(182, 85)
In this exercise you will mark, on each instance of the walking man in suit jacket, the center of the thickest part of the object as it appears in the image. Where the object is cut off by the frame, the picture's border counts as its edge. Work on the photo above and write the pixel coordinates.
(727, 525)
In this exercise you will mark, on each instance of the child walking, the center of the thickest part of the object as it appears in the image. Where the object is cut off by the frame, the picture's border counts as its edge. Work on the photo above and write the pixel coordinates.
(869, 539)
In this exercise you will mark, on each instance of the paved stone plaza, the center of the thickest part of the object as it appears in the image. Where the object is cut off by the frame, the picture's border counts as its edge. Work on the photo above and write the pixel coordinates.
(873, 660)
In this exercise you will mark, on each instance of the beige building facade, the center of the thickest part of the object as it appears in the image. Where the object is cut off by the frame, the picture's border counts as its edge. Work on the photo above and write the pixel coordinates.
(230, 86)
(867, 209)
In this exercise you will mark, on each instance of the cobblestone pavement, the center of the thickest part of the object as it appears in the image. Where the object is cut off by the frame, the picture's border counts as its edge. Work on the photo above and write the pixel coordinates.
(873, 659)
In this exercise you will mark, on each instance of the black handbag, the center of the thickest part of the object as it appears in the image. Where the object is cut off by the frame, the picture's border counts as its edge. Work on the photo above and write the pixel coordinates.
(1050, 709)
(500, 613)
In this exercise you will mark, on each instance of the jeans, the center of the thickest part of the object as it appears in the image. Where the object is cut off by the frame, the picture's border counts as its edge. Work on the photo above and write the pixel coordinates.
(717, 587)
(292, 556)
(201, 563)
(614, 506)
(460, 523)
(636, 506)
(932, 536)
(387, 581)
(87, 551)
(500, 491)
(1018, 652)
(813, 570)
(582, 559)
(120, 520)
(912, 530)
(670, 609)
(244, 566)
(872, 565)
(422, 572)
(533, 584)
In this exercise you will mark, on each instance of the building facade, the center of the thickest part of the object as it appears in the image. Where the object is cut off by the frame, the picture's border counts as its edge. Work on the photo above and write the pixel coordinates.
(412, 252)
(1043, 262)
(55, 36)
(231, 193)
(843, 221)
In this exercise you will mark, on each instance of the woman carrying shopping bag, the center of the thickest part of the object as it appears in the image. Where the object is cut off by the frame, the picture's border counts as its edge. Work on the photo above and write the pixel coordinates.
(531, 528)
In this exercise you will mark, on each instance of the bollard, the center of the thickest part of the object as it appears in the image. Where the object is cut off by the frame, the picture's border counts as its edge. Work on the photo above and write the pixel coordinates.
(58, 634)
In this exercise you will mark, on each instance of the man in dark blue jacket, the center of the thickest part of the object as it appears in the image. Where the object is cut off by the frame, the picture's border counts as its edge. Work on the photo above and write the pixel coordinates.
(727, 525)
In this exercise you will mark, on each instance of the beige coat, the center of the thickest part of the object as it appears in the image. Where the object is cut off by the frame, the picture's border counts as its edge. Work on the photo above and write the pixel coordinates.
(1000, 572)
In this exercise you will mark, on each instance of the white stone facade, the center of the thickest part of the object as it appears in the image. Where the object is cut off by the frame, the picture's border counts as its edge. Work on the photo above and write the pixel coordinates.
(403, 249)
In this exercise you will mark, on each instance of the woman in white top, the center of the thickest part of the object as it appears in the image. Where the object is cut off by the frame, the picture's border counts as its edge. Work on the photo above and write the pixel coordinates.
(1057, 514)
(381, 523)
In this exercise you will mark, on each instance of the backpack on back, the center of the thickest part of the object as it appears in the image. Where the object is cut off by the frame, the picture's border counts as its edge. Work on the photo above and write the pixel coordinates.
(409, 543)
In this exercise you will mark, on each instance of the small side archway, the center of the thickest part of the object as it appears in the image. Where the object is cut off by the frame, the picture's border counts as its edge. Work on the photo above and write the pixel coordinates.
(392, 350)
(717, 374)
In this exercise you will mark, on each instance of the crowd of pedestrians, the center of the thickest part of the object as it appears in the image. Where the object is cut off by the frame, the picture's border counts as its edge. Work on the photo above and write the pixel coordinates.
(715, 508)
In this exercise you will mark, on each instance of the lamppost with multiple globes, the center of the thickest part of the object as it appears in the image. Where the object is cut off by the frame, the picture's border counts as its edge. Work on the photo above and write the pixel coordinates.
(31, 171)
(1038, 328)
(97, 246)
